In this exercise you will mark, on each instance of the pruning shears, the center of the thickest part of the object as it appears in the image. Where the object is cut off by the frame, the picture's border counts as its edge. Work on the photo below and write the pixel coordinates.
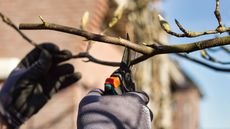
(120, 81)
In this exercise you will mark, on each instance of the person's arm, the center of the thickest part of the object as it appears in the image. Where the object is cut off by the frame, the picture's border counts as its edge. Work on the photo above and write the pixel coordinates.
(32, 83)
(128, 111)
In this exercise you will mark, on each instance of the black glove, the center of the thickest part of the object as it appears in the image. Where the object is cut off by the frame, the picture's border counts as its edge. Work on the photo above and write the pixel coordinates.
(128, 111)
(32, 83)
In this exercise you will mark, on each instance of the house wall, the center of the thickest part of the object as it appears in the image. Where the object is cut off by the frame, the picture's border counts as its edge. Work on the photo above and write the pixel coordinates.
(61, 111)
(185, 106)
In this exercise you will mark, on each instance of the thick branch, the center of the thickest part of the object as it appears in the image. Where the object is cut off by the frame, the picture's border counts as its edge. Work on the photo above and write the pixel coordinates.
(147, 50)
(88, 35)
(190, 47)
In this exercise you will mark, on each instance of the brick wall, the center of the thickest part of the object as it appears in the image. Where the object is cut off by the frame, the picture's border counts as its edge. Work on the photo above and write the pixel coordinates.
(186, 108)
(61, 111)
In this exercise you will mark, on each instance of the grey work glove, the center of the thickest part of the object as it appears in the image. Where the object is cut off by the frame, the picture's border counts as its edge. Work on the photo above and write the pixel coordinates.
(32, 83)
(127, 111)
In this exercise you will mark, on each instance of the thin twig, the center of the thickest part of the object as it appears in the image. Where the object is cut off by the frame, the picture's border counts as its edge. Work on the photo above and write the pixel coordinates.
(208, 57)
(93, 59)
(221, 48)
(42, 19)
(181, 27)
(10, 23)
(204, 64)
(227, 50)
(217, 13)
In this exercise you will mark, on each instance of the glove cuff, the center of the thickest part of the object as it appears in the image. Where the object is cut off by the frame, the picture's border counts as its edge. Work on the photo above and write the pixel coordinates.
(141, 96)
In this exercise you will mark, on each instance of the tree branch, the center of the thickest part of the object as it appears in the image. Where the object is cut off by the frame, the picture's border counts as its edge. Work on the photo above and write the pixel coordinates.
(93, 59)
(217, 13)
(208, 57)
(190, 34)
(204, 64)
(11, 24)
(227, 50)
(88, 35)
(80, 55)
(147, 50)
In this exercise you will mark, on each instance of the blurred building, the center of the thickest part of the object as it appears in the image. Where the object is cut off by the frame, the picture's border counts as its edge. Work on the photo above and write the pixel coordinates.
(186, 97)
(61, 111)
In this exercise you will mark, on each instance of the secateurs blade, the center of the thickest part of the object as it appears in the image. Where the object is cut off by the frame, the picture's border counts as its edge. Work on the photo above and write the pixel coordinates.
(121, 81)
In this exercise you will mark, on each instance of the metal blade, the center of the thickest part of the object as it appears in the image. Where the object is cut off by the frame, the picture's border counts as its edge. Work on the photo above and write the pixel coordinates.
(127, 57)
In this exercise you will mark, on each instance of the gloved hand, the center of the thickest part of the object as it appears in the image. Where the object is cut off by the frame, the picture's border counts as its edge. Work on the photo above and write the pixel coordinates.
(32, 83)
(128, 111)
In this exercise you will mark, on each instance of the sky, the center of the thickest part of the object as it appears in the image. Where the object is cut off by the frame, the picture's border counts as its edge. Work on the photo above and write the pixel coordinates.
(197, 15)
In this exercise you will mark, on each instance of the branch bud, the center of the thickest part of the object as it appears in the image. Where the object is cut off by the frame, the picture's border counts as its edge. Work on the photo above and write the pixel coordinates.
(84, 20)
(203, 53)
(164, 23)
